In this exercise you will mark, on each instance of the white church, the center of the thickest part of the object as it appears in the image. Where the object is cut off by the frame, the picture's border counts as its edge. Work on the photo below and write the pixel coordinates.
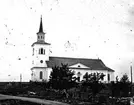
(42, 62)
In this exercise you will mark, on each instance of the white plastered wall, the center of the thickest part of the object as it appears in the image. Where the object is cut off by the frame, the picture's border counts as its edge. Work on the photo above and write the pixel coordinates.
(36, 74)
(38, 57)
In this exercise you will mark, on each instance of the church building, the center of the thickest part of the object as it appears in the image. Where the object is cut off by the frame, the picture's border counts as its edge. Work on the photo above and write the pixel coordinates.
(42, 62)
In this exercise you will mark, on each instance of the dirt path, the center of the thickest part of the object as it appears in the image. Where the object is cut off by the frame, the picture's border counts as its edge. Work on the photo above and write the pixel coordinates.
(35, 100)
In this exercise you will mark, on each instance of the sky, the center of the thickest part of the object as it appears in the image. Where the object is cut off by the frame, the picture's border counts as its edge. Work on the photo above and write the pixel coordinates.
(94, 29)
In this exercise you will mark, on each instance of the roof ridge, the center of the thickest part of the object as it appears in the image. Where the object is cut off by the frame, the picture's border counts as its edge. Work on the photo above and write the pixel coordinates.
(74, 58)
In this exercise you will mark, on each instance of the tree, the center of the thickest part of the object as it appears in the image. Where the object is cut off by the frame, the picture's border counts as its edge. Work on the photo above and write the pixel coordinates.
(120, 88)
(96, 77)
(62, 77)
(93, 77)
(86, 76)
(124, 79)
(115, 88)
(124, 85)
(93, 81)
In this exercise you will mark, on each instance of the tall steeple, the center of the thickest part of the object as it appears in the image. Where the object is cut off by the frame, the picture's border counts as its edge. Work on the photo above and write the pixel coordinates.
(40, 55)
(41, 34)
(41, 26)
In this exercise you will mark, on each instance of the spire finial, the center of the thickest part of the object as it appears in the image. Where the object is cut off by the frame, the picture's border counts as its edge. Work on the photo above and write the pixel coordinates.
(41, 26)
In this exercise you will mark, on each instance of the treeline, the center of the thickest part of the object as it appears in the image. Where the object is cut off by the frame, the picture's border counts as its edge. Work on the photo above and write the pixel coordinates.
(66, 87)
(64, 78)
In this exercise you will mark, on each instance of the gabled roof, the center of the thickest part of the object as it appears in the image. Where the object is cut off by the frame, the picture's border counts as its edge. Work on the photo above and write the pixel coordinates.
(41, 42)
(94, 64)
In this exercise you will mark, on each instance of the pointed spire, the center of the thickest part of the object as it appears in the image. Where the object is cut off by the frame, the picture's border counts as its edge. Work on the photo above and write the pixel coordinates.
(41, 26)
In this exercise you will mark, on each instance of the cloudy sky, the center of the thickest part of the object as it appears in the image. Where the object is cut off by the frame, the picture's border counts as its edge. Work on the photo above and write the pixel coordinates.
(75, 28)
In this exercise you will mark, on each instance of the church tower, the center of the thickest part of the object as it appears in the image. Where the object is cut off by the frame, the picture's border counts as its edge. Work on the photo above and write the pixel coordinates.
(40, 56)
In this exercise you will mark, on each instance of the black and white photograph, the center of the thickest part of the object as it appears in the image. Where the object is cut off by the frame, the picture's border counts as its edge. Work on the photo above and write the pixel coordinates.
(67, 52)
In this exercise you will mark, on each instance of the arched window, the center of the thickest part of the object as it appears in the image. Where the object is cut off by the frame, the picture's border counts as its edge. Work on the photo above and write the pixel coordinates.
(41, 52)
(41, 37)
(78, 74)
(38, 37)
(41, 75)
(108, 77)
